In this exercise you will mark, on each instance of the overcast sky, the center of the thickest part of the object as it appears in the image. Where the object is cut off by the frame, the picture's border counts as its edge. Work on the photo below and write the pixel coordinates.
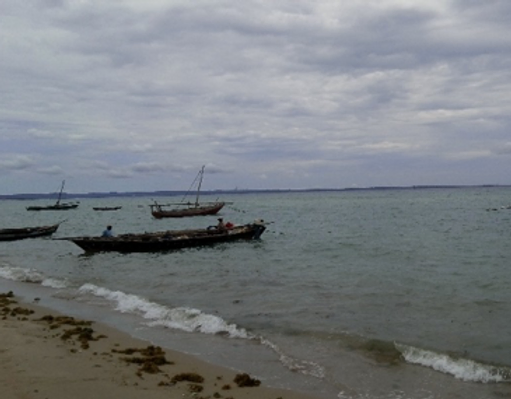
(129, 95)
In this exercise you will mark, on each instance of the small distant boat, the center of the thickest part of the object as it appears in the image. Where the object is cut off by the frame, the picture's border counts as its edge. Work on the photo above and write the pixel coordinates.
(186, 209)
(27, 232)
(106, 208)
(168, 240)
(58, 206)
(192, 210)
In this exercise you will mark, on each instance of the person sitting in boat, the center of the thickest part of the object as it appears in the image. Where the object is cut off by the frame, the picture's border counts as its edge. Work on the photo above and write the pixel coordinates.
(221, 226)
(108, 232)
(229, 225)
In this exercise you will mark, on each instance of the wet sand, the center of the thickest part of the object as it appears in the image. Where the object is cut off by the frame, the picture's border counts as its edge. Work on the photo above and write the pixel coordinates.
(46, 355)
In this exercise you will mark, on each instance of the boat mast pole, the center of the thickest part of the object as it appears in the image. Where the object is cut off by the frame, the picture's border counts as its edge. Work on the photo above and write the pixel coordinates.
(61, 189)
(198, 188)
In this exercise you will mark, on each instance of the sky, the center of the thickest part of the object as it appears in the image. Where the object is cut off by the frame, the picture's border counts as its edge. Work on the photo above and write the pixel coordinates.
(137, 95)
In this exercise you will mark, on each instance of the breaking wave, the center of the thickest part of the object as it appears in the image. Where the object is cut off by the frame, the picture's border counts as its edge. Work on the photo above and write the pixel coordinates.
(29, 276)
(461, 368)
(181, 318)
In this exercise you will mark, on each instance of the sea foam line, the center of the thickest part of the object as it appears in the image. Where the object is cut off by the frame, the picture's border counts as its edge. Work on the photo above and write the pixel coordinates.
(463, 369)
(192, 320)
(24, 275)
(182, 318)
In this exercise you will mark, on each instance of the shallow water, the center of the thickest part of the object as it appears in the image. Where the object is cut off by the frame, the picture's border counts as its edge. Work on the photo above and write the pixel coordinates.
(352, 294)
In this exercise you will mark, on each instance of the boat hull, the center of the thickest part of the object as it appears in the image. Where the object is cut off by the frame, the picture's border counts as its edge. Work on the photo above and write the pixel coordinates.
(27, 232)
(167, 240)
(59, 207)
(203, 210)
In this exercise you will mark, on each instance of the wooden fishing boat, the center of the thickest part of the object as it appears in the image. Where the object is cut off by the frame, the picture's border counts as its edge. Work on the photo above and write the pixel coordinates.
(106, 208)
(168, 240)
(27, 232)
(186, 209)
(55, 207)
(58, 206)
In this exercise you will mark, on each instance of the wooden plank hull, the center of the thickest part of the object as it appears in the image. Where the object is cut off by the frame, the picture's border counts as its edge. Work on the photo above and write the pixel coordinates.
(167, 240)
(56, 207)
(158, 212)
(107, 208)
(27, 232)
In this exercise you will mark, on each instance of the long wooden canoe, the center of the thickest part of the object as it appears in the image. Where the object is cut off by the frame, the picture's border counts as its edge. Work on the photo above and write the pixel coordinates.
(27, 232)
(193, 210)
(168, 240)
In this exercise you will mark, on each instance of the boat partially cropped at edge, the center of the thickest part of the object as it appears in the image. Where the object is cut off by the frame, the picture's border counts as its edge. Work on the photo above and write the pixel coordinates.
(168, 240)
(21, 233)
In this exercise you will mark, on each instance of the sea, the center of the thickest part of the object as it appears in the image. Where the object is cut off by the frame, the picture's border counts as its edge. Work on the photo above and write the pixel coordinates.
(351, 294)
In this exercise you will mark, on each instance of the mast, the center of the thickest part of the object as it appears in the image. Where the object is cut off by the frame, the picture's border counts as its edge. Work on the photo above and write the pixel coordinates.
(61, 189)
(201, 173)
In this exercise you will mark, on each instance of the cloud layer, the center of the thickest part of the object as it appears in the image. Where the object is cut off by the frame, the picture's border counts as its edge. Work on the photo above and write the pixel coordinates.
(137, 95)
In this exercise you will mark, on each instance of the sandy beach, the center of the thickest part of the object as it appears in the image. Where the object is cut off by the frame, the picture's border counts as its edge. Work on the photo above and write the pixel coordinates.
(46, 355)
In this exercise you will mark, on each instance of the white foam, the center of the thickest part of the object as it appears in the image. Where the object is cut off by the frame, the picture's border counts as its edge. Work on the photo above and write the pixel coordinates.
(463, 369)
(296, 365)
(20, 274)
(54, 283)
(182, 318)
(30, 276)
(191, 320)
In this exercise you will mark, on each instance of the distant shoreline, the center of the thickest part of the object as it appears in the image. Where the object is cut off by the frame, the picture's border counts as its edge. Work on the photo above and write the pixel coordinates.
(115, 194)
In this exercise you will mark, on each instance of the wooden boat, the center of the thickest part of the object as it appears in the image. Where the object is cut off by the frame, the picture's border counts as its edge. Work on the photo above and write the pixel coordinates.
(107, 208)
(192, 210)
(168, 240)
(58, 206)
(186, 209)
(27, 232)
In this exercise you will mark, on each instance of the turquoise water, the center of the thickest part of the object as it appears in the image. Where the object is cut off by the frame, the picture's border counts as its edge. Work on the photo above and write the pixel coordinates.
(353, 294)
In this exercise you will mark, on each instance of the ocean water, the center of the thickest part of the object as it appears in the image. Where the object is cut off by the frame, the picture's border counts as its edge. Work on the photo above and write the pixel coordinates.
(373, 294)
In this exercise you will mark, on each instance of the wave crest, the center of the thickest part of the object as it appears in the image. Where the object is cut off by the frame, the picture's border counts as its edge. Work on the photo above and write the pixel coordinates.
(461, 368)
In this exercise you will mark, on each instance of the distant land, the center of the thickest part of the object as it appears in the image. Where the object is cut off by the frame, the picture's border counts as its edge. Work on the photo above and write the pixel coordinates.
(115, 194)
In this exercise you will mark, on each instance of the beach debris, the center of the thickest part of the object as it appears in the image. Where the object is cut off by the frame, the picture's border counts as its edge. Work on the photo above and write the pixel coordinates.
(244, 380)
(6, 300)
(151, 358)
(82, 330)
(191, 377)
(58, 321)
(194, 388)
(84, 335)
(21, 311)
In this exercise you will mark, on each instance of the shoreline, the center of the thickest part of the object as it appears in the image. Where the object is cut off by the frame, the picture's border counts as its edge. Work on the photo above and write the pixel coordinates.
(46, 354)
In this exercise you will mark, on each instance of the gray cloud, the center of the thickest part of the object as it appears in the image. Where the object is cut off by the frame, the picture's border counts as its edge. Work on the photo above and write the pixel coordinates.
(267, 94)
